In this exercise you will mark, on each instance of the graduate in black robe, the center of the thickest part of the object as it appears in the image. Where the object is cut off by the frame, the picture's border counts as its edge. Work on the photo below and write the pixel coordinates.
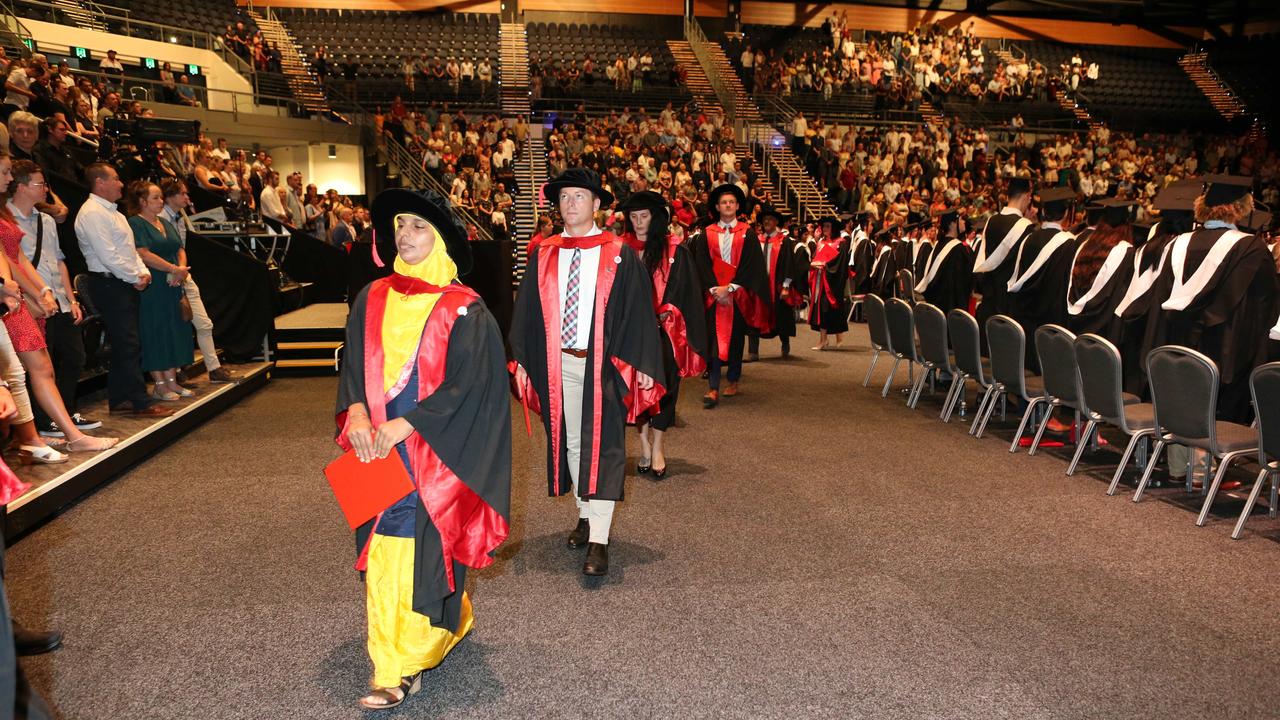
(1100, 272)
(735, 288)
(1042, 270)
(884, 271)
(947, 281)
(615, 369)
(828, 284)
(788, 269)
(862, 254)
(1176, 205)
(1225, 310)
(996, 252)
(424, 377)
(678, 308)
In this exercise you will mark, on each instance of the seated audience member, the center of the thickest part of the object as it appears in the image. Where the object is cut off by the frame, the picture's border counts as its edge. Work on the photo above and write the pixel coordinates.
(165, 335)
(175, 202)
(186, 93)
(117, 278)
(111, 66)
(62, 327)
(26, 335)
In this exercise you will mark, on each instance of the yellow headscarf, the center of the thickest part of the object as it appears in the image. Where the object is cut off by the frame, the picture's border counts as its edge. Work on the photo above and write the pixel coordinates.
(405, 316)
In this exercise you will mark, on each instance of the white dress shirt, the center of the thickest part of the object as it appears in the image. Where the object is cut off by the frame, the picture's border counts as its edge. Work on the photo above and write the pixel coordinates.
(270, 204)
(590, 266)
(50, 253)
(107, 241)
(178, 221)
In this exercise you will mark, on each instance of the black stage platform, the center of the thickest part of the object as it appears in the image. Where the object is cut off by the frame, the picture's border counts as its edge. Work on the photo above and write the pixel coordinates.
(57, 487)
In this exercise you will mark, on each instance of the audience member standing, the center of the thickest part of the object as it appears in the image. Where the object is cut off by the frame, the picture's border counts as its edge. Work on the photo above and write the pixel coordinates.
(166, 337)
(116, 279)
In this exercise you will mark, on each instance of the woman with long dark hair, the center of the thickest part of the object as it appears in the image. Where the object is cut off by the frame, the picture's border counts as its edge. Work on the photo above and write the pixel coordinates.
(1100, 273)
(677, 301)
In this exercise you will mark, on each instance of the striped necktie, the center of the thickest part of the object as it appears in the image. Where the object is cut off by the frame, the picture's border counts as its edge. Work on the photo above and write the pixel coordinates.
(569, 324)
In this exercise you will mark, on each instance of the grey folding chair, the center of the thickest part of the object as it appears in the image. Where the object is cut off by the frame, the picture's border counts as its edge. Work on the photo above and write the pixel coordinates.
(878, 327)
(906, 286)
(1264, 385)
(902, 340)
(1184, 390)
(962, 330)
(1058, 372)
(1007, 344)
(935, 355)
(1102, 400)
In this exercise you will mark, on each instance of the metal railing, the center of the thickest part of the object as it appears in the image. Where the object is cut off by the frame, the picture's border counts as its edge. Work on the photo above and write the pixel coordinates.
(11, 25)
(121, 21)
(411, 170)
(216, 99)
(698, 43)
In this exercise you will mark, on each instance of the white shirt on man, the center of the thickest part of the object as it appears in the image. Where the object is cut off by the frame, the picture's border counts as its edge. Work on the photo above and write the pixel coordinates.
(50, 253)
(270, 204)
(106, 240)
(587, 270)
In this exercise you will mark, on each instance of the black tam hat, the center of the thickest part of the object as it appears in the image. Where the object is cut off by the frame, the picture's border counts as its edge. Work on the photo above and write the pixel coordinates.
(1117, 212)
(713, 198)
(430, 206)
(1019, 186)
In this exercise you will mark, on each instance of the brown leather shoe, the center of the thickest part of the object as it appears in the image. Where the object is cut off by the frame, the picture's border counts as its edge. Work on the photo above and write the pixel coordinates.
(223, 375)
(151, 411)
(711, 399)
(731, 389)
(597, 560)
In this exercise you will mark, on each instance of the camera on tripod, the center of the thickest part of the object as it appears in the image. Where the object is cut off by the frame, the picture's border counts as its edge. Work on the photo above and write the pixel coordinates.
(132, 144)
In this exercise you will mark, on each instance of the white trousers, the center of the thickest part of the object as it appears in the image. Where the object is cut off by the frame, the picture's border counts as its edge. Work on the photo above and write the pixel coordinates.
(599, 512)
(203, 325)
(15, 375)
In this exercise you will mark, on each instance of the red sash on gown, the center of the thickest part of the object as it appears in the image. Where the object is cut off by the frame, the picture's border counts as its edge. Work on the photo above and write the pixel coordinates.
(724, 272)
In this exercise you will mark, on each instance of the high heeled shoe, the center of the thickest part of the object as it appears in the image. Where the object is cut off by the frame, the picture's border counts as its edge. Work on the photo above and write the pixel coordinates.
(642, 467)
(659, 474)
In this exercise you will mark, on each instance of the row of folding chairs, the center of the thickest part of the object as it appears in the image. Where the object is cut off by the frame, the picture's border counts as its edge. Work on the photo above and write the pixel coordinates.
(1085, 375)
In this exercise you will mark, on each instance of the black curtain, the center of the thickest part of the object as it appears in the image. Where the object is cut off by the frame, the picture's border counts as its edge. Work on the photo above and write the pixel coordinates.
(315, 261)
(238, 291)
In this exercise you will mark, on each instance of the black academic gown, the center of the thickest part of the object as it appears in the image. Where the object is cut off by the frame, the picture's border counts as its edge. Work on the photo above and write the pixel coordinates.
(922, 250)
(952, 284)
(1098, 314)
(466, 422)
(829, 290)
(884, 274)
(750, 311)
(630, 336)
(1042, 297)
(785, 269)
(993, 282)
(1229, 318)
(681, 294)
(1142, 281)
(864, 256)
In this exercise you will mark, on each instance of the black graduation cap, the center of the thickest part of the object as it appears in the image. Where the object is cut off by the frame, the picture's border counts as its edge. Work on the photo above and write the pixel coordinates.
(1225, 189)
(829, 219)
(1093, 213)
(1116, 212)
(1019, 186)
(1057, 198)
(947, 217)
(1178, 199)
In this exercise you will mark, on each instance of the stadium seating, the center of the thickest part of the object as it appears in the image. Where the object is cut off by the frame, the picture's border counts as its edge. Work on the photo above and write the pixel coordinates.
(556, 43)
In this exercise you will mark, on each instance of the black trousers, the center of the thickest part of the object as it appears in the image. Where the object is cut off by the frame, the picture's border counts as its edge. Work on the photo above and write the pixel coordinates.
(737, 338)
(117, 303)
(753, 342)
(66, 350)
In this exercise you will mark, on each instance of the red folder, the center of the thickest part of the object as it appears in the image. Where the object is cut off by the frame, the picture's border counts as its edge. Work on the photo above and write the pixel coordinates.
(365, 489)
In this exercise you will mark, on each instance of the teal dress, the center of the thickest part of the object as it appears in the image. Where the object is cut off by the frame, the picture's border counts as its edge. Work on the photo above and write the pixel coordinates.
(166, 339)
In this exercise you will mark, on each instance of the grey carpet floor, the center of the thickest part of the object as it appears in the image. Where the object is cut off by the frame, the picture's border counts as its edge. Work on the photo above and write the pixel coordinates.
(816, 552)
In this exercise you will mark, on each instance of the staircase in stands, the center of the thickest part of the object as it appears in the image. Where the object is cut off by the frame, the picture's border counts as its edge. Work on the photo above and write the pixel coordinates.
(1075, 107)
(531, 164)
(304, 85)
(1224, 100)
(80, 15)
(776, 150)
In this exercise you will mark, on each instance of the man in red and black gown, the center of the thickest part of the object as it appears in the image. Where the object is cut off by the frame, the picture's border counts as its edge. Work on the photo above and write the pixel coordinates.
(736, 288)
(586, 351)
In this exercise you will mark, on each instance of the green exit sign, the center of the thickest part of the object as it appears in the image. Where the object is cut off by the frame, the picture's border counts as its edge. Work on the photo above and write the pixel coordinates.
(80, 52)
(149, 63)
(193, 69)
(31, 45)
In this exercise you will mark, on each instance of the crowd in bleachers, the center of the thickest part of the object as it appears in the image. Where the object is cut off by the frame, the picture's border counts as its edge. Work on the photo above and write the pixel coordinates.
(471, 156)
(680, 153)
(891, 172)
(900, 69)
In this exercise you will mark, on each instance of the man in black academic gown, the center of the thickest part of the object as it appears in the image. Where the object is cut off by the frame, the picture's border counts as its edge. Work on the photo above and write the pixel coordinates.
(1226, 309)
(862, 253)
(883, 275)
(598, 373)
(1042, 269)
(996, 251)
(947, 280)
(787, 267)
(736, 286)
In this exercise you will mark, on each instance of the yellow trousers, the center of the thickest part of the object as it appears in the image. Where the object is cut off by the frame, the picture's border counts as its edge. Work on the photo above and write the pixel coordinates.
(401, 641)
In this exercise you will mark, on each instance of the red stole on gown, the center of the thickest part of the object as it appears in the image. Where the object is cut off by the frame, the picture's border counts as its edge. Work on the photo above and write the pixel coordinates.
(827, 251)
(724, 272)
(637, 400)
(673, 322)
(469, 527)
